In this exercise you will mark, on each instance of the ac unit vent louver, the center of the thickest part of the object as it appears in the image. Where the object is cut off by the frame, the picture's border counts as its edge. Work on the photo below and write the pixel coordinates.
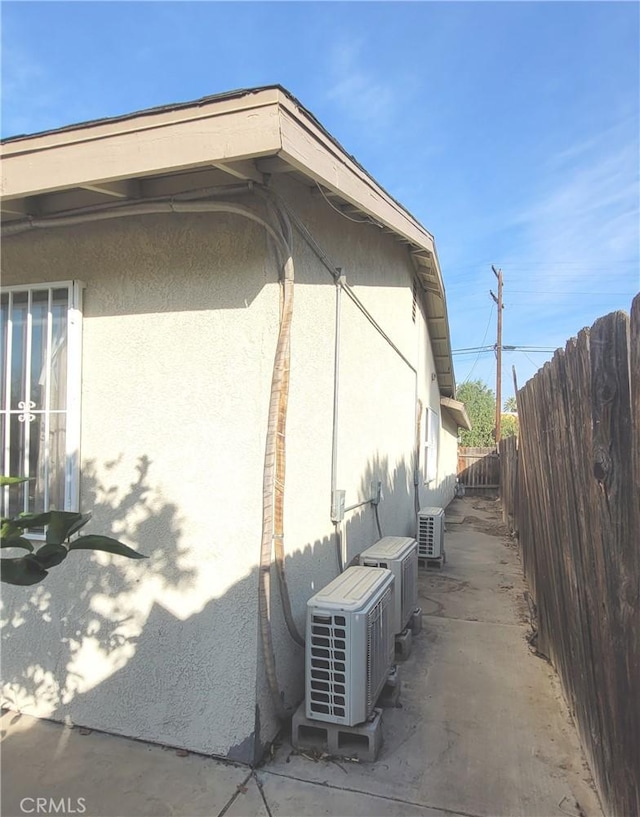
(431, 533)
(350, 645)
(399, 555)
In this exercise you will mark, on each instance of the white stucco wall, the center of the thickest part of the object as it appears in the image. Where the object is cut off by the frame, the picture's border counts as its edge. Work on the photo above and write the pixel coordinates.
(376, 412)
(179, 329)
(179, 333)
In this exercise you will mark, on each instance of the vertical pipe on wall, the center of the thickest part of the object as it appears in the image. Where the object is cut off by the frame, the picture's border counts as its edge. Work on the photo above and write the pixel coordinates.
(282, 366)
(276, 417)
(416, 472)
(418, 401)
(336, 399)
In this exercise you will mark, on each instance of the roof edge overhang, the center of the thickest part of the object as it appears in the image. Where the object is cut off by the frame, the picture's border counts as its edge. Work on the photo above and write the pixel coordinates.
(342, 176)
(244, 133)
(458, 411)
(195, 135)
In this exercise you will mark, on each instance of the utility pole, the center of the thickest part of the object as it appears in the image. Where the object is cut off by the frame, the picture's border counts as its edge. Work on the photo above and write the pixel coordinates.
(498, 300)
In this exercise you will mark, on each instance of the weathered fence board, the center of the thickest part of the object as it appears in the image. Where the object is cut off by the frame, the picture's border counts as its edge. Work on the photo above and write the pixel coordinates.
(571, 490)
(479, 467)
(508, 450)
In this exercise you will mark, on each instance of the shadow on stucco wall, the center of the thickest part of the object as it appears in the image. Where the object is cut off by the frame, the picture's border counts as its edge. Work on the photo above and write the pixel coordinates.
(312, 567)
(81, 608)
(396, 512)
(180, 681)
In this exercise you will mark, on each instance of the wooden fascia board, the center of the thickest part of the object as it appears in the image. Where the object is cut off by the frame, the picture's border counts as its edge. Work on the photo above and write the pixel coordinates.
(214, 133)
(313, 154)
(457, 410)
(149, 120)
(164, 147)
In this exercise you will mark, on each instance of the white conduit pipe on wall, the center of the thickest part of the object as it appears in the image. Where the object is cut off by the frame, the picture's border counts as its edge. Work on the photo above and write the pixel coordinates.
(336, 405)
(336, 273)
(416, 485)
(273, 471)
(341, 284)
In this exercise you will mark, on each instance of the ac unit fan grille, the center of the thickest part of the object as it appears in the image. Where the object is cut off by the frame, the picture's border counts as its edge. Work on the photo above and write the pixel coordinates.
(426, 537)
(328, 688)
(378, 641)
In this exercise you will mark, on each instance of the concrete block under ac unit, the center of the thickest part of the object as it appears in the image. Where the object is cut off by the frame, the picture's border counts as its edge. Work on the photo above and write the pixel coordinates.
(362, 741)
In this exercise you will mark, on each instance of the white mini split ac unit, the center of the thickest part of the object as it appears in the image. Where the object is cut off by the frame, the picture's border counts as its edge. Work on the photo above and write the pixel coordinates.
(350, 645)
(399, 555)
(431, 533)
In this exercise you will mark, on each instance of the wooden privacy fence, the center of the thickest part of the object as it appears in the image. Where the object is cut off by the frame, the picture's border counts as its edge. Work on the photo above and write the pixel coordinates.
(479, 467)
(508, 450)
(572, 491)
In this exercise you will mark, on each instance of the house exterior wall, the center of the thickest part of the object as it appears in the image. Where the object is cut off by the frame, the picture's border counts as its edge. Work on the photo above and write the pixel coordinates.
(180, 324)
(376, 409)
(179, 329)
(448, 464)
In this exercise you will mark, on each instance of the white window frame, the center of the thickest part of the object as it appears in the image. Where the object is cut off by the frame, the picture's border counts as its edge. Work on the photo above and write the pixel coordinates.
(74, 383)
(431, 440)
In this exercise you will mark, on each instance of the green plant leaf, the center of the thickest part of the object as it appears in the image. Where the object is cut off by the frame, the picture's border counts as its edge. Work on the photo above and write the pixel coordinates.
(12, 480)
(32, 520)
(84, 518)
(106, 544)
(11, 536)
(51, 555)
(16, 542)
(23, 571)
(62, 524)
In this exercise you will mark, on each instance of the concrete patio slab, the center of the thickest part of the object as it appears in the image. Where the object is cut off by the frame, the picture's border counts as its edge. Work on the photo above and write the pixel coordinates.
(288, 797)
(482, 730)
(106, 776)
(248, 802)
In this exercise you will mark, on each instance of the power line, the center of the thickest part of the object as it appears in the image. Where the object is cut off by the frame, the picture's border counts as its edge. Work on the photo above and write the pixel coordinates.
(488, 350)
(570, 266)
(479, 265)
(537, 365)
(486, 331)
(565, 292)
(505, 348)
(521, 347)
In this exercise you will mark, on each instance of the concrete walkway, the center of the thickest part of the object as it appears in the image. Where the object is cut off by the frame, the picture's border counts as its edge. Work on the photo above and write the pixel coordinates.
(482, 730)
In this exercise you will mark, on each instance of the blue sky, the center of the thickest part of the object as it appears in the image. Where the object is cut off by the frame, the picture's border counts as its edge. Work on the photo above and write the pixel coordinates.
(509, 129)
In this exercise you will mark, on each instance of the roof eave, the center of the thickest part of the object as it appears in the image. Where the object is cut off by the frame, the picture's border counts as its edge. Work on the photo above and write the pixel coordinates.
(228, 131)
(457, 411)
